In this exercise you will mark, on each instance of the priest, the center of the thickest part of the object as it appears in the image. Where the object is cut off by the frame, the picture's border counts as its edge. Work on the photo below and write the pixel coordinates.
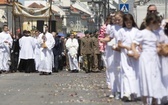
(5, 45)
(46, 54)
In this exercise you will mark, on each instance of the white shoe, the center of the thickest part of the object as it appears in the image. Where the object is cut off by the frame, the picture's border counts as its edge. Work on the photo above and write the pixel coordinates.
(117, 96)
(111, 96)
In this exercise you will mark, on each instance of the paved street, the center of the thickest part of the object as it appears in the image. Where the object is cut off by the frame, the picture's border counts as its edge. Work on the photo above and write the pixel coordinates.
(61, 88)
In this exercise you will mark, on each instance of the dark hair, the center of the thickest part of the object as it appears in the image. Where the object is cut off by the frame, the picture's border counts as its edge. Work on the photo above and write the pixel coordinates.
(25, 32)
(166, 29)
(5, 26)
(127, 17)
(152, 18)
(150, 6)
(108, 20)
(143, 26)
(28, 32)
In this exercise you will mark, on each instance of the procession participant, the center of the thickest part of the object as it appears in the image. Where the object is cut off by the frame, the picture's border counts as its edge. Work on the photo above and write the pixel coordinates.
(5, 45)
(37, 49)
(149, 65)
(163, 41)
(15, 52)
(151, 9)
(106, 49)
(72, 47)
(46, 54)
(86, 51)
(95, 52)
(129, 66)
(57, 51)
(115, 64)
(26, 55)
(65, 57)
(164, 64)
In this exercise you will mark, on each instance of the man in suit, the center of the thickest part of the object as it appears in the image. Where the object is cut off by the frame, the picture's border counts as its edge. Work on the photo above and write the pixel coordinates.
(57, 51)
(86, 50)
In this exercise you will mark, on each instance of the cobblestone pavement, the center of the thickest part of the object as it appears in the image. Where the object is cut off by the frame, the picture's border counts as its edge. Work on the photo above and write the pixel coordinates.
(61, 88)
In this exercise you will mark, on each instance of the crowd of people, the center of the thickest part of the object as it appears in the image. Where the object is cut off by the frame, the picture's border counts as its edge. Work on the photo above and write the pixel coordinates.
(135, 58)
(49, 52)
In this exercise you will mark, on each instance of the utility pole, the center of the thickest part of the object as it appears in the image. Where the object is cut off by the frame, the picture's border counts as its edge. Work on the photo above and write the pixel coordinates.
(50, 2)
(108, 7)
(166, 9)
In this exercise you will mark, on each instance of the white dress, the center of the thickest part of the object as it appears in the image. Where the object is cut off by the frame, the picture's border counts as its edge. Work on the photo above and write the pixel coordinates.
(149, 65)
(46, 54)
(163, 39)
(109, 58)
(129, 66)
(115, 65)
(37, 52)
(5, 50)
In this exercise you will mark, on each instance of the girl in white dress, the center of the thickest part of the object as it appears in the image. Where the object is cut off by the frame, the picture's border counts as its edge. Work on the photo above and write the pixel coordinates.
(109, 58)
(163, 40)
(149, 64)
(129, 79)
(115, 64)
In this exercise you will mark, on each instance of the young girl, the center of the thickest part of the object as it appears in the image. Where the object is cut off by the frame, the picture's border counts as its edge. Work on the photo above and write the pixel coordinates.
(105, 49)
(129, 81)
(115, 64)
(163, 40)
(109, 55)
(149, 65)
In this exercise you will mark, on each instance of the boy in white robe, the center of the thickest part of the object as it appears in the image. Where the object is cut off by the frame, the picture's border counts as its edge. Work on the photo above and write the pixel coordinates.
(26, 55)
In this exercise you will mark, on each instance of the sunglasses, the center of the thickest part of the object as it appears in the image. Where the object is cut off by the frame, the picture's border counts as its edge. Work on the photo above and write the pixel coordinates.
(152, 11)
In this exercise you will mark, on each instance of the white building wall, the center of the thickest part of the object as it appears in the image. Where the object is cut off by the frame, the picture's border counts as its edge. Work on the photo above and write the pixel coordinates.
(66, 3)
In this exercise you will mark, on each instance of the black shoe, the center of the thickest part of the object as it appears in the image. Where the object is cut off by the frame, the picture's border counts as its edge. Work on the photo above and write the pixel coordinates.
(49, 73)
(87, 71)
(56, 71)
(72, 71)
(41, 73)
(133, 97)
(125, 99)
(76, 71)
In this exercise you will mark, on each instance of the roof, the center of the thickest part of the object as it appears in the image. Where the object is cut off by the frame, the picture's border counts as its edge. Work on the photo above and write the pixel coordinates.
(58, 10)
(35, 5)
(81, 7)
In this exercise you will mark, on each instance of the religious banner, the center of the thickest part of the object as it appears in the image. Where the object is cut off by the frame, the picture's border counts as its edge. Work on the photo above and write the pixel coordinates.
(31, 12)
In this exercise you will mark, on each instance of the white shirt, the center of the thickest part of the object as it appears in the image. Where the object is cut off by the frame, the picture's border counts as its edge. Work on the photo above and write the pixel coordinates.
(27, 46)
